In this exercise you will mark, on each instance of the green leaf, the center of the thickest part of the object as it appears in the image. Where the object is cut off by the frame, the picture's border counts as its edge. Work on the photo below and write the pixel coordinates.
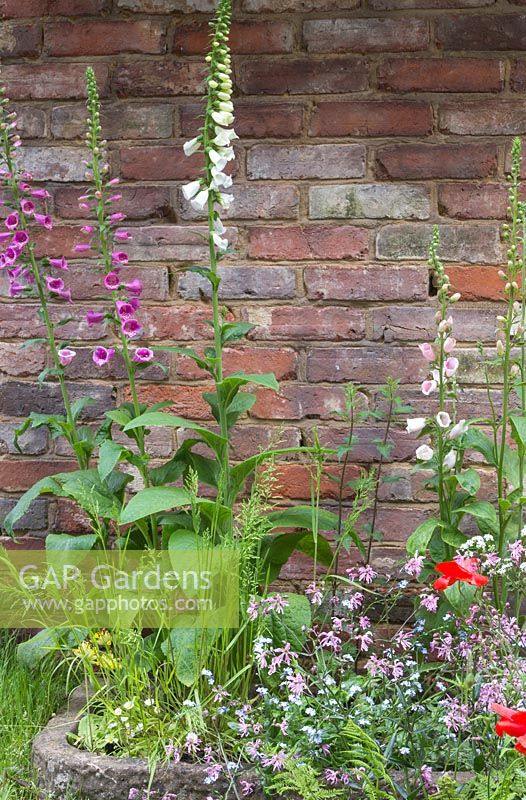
(32, 342)
(469, 480)
(233, 331)
(484, 513)
(110, 453)
(49, 485)
(476, 440)
(302, 517)
(292, 624)
(421, 536)
(188, 649)
(153, 500)
(460, 596)
(161, 419)
(31, 652)
(65, 541)
(267, 380)
(453, 536)
(119, 415)
(183, 539)
(79, 405)
(518, 430)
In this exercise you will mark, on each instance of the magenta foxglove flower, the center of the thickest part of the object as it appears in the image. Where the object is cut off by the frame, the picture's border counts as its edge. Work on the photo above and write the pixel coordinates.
(118, 216)
(112, 281)
(103, 355)
(27, 207)
(44, 220)
(131, 328)
(20, 238)
(11, 221)
(124, 309)
(87, 229)
(94, 317)
(450, 366)
(118, 257)
(123, 236)
(54, 284)
(66, 356)
(427, 351)
(16, 288)
(143, 354)
(82, 248)
(40, 194)
(58, 263)
(134, 286)
(5, 237)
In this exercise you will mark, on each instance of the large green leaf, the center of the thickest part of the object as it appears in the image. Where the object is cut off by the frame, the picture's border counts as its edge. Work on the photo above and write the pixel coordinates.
(484, 513)
(469, 480)
(292, 624)
(187, 649)
(110, 453)
(49, 485)
(153, 500)
(518, 430)
(65, 541)
(162, 419)
(421, 536)
(303, 517)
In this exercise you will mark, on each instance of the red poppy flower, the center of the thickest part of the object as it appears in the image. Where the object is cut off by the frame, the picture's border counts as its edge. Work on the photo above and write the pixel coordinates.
(465, 569)
(513, 723)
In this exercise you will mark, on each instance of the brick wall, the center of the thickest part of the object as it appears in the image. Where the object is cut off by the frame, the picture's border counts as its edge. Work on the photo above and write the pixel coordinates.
(361, 125)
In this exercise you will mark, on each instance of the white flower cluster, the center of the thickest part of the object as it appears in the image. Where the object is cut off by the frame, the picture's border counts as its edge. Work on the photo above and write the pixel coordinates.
(217, 135)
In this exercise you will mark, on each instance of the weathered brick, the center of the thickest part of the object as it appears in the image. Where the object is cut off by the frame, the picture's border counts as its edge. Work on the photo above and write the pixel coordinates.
(242, 283)
(298, 401)
(17, 41)
(21, 363)
(158, 162)
(179, 323)
(371, 118)
(48, 8)
(365, 450)
(53, 81)
(167, 78)
(308, 242)
(82, 365)
(138, 202)
(60, 241)
(166, 6)
(253, 120)
(370, 283)
(437, 161)
(369, 201)
(473, 244)
(306, 161)
(104, 37)
(58, 163)
(170, 243)
(21, 321)
(20, 474)
(518, 76)
(388, 5)
(278, 6)
(365, 35)
(282, 362)
(248, 439)
(410, 324)
(35, 518)
(19, 399)
(33, 442)
(119, 121)
(265, 201)
(155, 282)
(483, 32)
(245, 37)
(31, 122)
(187, 401)
(482, 117)
(294, 481)
(305, 322)
(365, 364)
(472, 200)
(302, 76)
(477, 283)
(441, 75)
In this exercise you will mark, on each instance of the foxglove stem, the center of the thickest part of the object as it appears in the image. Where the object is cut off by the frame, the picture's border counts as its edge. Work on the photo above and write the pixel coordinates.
(13, 184)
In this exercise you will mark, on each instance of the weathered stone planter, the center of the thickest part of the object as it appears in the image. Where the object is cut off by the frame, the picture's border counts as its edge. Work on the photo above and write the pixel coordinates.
(59, 766)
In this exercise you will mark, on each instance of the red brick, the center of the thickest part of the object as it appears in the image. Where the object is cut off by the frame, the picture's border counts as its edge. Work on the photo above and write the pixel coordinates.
(482, 32)
(253, 120)
(153, 279)
(278, 6)
(365, 449)
(265, 201)
(158, 162)
(367, 283)
(19, 364)
(246, 37)
(365, 364)
(17, 41)
(371, 118)
(187, 401)
(138, 202)
(472, 200)
(119, 121)
(410, 324)
(441, 75)
(477, 283)
(58, 242)
(48, 8)
(104, 38)
(53, 81)
(302, 76)
(388, 5)
(167, 78)
(308, 242)
(483, 117)
(20, 474)
(242, 283)
(365, 35)
(21, 321)
(518, 76)
(172, 243)
(298, 401)
(437, 161)
(283, 363)
(295, 481)
(166, 6)
(305, 322)
(178, 323)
